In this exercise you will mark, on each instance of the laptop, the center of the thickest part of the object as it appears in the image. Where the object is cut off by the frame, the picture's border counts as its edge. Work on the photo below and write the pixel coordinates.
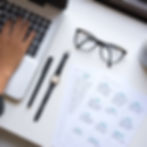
(45, 17)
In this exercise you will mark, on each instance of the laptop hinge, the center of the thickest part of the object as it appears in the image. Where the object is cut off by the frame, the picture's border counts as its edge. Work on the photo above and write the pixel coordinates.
(39, 2)
(61, 4)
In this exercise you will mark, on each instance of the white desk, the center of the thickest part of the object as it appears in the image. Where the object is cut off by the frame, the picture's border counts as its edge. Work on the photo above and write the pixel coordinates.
(104, 23)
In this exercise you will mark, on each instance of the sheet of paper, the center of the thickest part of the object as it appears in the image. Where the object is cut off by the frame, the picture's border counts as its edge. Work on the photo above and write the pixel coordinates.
(100, 112)
(74, 95)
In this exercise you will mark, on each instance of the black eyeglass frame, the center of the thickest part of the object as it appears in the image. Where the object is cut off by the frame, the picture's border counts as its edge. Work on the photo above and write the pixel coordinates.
(101, 44)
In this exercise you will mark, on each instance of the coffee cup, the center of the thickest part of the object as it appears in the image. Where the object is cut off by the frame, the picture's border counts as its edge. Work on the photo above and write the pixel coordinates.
(143, 56)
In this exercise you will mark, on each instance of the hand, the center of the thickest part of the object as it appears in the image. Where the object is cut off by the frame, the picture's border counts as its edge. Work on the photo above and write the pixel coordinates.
(13, 46)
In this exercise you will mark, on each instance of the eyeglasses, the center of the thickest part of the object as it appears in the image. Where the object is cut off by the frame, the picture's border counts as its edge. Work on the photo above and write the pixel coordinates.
(109, 53)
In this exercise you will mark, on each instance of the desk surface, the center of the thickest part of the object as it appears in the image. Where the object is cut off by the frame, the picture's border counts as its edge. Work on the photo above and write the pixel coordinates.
(104, 23)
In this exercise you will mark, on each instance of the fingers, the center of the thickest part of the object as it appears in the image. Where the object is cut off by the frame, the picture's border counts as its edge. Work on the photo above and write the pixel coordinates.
(7, 28)
(18, 32)
(29, 39)
(18, 28)
(24, 29)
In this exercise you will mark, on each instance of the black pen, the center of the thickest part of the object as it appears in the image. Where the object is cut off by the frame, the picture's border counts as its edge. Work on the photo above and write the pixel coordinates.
(53, 83)
(1, 105)
(44, 72)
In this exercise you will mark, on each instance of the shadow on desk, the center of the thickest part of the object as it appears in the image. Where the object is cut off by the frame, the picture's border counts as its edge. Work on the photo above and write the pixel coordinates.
(9, 140)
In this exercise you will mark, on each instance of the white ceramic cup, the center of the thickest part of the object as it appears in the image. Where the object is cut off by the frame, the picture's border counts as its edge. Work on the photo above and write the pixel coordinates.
(143, 56)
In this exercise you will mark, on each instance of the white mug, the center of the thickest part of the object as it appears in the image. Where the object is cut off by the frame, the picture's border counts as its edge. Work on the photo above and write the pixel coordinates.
(143, 56)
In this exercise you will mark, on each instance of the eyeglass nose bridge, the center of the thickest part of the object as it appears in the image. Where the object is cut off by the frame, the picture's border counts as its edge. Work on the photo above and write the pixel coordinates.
(100, 43)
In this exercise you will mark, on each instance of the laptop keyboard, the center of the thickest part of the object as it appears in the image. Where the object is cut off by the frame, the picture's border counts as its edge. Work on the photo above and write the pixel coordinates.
(38, 23)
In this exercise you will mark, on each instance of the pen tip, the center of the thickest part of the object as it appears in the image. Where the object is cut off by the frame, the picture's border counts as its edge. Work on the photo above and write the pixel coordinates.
(66, 54)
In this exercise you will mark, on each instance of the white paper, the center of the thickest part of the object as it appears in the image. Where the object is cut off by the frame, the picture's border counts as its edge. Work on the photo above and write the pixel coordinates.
(76, 86)
(100, 112)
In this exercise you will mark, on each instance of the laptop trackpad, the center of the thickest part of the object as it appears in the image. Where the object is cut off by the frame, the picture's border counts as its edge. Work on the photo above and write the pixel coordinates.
(20, 81)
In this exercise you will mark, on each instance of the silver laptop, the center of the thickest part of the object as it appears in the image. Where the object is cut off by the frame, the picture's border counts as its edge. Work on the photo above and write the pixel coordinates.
(44, 17)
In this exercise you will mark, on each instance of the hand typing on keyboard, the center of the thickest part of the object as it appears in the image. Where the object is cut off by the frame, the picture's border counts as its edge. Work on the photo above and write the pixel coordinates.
(14, 42)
